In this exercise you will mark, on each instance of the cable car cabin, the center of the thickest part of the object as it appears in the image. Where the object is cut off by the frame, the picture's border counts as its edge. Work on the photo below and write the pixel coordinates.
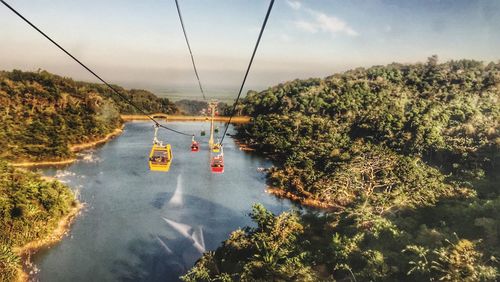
(195, 147)
(160, 158)
(203, 133)
(216, 148)
(217, 164)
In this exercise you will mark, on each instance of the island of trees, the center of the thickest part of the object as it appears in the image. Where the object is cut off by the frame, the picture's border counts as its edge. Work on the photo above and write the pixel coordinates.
(401, 163)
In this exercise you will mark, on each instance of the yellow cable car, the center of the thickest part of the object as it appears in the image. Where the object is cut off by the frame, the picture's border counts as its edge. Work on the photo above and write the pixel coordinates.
(160, 157)
(216, 148)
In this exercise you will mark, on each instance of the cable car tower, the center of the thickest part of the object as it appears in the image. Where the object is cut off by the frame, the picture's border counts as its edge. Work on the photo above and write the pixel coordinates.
(212, 106)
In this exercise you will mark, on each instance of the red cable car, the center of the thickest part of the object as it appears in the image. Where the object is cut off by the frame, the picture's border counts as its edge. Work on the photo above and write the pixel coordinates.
(195, 147)
(217, 164)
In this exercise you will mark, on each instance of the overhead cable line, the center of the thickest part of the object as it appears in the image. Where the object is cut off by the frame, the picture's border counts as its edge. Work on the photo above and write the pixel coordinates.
(92, 72)
(248, 69)
(189, 48)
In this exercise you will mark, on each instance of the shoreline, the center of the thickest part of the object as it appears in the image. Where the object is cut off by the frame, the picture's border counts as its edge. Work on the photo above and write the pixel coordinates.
(118, 131)
(26, 251)
(43, 163)
(236, 119)
(72, 148)
(91, 144)
(283, 194)
(243, 146)
(307, 202)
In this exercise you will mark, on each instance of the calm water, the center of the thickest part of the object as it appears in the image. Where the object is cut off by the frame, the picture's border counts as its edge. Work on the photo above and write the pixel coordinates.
(152, 226)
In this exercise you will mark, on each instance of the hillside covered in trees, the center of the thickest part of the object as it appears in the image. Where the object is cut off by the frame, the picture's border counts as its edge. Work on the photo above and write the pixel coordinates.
(404, 157)
(30, 208)
(195, 107)
(42, 114)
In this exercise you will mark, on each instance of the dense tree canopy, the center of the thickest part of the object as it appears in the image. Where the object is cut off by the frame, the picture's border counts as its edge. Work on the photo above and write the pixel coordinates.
(269, 252)
(195, 107)
(405, 156)
(29, 209)
(42, 114)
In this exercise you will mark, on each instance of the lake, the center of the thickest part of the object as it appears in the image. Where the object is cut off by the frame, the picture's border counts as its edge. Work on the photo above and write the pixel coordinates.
(139, 225)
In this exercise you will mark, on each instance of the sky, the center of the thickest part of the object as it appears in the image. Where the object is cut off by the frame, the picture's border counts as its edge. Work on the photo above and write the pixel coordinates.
(139, 44)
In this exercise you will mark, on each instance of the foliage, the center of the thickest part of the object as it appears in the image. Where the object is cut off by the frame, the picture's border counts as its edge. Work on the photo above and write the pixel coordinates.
(191, 107)
(41, 114)
(446, 113)
(29, 209)
(458, 261)
(406, 156)
(268, 252)
(145, 100)
(195, 107)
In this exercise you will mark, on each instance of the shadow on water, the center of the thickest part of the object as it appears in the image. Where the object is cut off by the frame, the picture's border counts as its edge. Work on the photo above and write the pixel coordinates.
(161, 199)
(189, 230)
(154, 263)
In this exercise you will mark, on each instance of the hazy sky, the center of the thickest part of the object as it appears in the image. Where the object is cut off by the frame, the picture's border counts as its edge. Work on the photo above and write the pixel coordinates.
(140, 43)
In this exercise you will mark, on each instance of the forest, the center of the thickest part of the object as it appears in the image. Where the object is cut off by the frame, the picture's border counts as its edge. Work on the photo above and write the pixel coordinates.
(400, 164)
(195, 107)
(30, 208)
(42, 114)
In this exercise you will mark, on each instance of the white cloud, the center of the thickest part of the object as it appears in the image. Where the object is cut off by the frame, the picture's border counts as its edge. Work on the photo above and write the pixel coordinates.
(294, 4)
(325, 23)
(307, 26)
(333, 25)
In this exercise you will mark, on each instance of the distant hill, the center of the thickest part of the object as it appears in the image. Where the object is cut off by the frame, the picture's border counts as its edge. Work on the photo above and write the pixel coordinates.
(191, 107)
(196, 107)
(42, 114)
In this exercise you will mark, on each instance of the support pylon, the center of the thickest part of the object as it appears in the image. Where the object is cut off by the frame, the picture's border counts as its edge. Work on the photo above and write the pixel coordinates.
(213, 106)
